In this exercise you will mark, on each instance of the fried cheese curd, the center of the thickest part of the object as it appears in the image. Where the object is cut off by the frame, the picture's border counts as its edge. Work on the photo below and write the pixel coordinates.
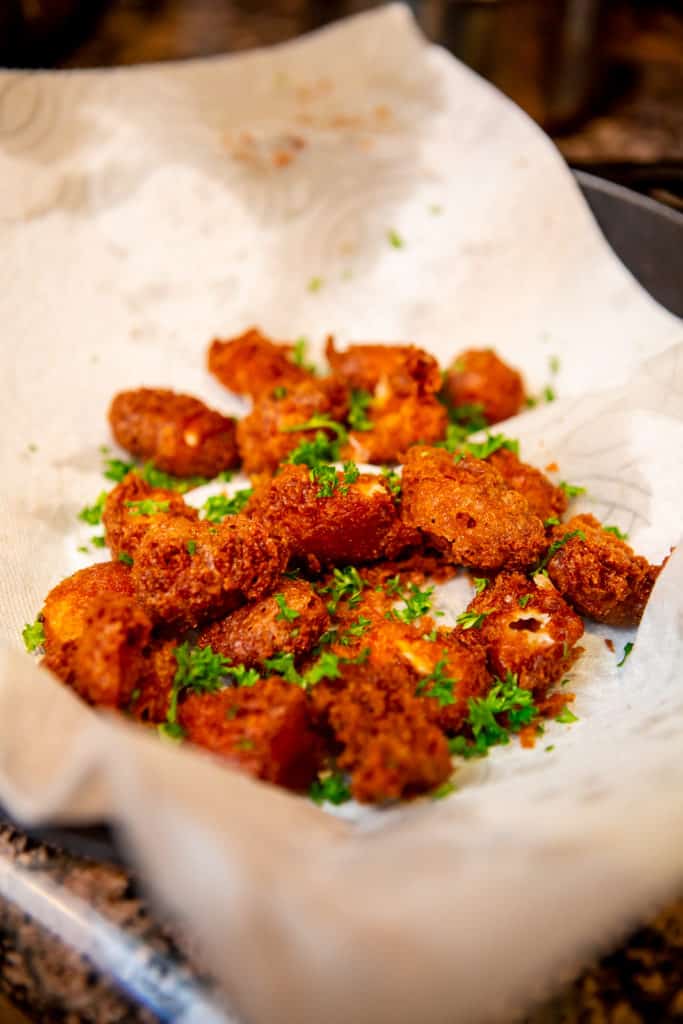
(599, 574)
(289, 621)
(357, 523)
(110, 653)
(263, 729)
(385, 735)
(252, 364)
(177, 433)
(266, 436)
(543, 498)
(402, 381)
(132, 507)
(68, 605)
(527, 629)
(466, 509)
(479, 377)
(186, 572)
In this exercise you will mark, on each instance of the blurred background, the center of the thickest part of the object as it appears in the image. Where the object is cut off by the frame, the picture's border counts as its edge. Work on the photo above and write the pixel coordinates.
(603, 77)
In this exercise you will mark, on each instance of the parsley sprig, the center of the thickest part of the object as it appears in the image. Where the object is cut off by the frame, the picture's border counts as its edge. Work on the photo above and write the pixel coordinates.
(147, 507)
(358, 405)
(219, 506)
(347, 585)
(555, 547)
(505, 709)
(286, 613)
(417, 603)
(33, 635)
(437, 684)
(330, 787)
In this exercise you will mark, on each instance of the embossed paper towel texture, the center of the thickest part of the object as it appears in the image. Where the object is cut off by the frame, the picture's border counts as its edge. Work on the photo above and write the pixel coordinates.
(143, 211)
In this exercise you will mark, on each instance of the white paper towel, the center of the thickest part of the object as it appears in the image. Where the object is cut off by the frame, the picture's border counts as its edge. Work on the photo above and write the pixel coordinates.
(143, 211)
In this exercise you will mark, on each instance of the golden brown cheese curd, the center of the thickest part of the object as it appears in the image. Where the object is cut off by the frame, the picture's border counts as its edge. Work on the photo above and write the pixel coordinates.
(150, 698)
(177, 433)
(464, 507)
(265, 437)
(480, 377)
(264, 729)
(599, 574)
(124, 517)
(186, 572)
(109, 657)
(357, 523)
(383, 369)
(67, 606)
(252, 364)
(527, 629)
(543, 498)
(386, 737)
(291, 620)
(397, 423)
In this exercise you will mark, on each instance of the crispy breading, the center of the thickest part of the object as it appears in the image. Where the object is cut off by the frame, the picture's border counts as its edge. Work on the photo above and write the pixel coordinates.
(600, 575)
(357, 523)
(186, 572)
(397, 423)
(543, 498)
(464, 506)
(385, 735)
(480, 377)
(178, 433)
(150, 698)
(67, 607)
(385, 369)
(265, 437)
(124, 526)
(110, 653)
(252, 364)
(528, 630)
(263, 729)
(262, 629)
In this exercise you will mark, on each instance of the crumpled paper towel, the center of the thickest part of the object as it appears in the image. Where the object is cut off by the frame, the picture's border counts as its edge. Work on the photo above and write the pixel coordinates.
(143, 211)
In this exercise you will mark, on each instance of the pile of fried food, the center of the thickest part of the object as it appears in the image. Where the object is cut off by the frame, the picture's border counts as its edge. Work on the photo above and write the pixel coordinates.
(288, 627)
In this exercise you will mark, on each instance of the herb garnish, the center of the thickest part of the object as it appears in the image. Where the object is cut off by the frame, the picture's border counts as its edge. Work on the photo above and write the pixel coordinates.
(394, 239)
(480, 583)
(504, 698)
(393, 481)
(92, 514)
(555, 547)
(566, 717)
(286, 613)
(125, 558)
(571, 490)
(471, 620)
(117, 470)
(417, 603)
(616, 532)
(332, 788)
(215, 509)
(627, 650)
(299, 356)
(33, 635)
(347, 585)
(524, 600)
(445, 789)
(147, 507)
(437, 684)
(359, 402)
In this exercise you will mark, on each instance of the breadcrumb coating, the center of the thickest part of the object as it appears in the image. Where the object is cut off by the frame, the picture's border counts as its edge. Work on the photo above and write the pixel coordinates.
(125, 526)
(252, 364)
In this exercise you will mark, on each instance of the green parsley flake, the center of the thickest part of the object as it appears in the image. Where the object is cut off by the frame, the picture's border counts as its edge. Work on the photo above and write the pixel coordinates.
(325, 667)
(480, 583)
(215, 509)
(157, 479)
(83, 548)
(299, 356)
(445, 789)
(627, 650)
(125, 558)
(244, 744)
(318, 421)
(471, 620)
(571, 490)
(548, 393)
(417, 603)
(616, 532)
(393, 481)
(550, 748)
(524, 600)
(283, 665)
(33, 635)
(117, 470)
(556, 546)
(551, 521)
(315, 284)
(394, 239)
(279, 392)
(286, 613)
(437, 685)
(92, 514)
(432, 637)
(326, 476)
(554, 364)
(346, 585)
(359, 402)
(504, 698)
(566, 717)
(147, 507)
(357, 629)
(330, 788)
(493, 443)
(98, 542)
(191, 548)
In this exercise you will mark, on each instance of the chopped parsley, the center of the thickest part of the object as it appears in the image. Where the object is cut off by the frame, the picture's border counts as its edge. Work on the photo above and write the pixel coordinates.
(504, 698)
(394, 239)
(417, 603)
(551, 521)
(315, 284)
(393, 481)
(125, 558)
(493, 443)
(571, 490)
(147, 507)
(299, 356)
(165, 481)
(286, 613)
(83, 548)
(359, 402)
(554, 364)
(616, 532)
(318, 421)
(199, 670)
(438, 685)
(244, 744)
(480, 583)
(445, 789)
(326, 666)
(351, 474)
(97, 541)
(33, 635)
(311, 453)
(355, 630)
(627, 650)
(215, 509)
(191, 548)
(471, 620)
(432, 637)
(331, 788)
(92, 514)
(566, 717)
(283, 665)
(279, 392)
(117, 470)
(241, 675)
(548, 393)
(524, 600)
(555, 547)
(326, 476)
(346, 585)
